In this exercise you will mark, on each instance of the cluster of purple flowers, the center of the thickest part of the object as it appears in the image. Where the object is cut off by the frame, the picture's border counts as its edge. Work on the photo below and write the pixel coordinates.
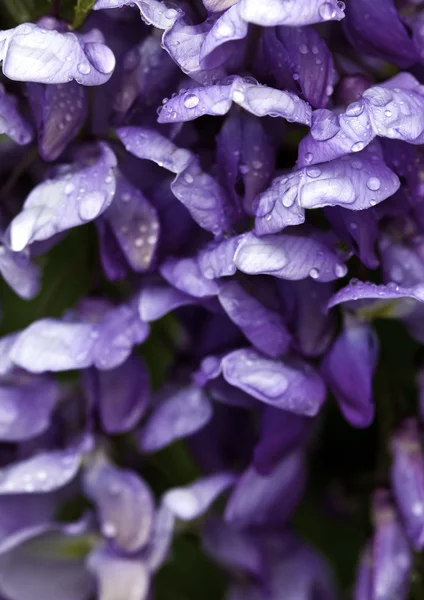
(253, 175)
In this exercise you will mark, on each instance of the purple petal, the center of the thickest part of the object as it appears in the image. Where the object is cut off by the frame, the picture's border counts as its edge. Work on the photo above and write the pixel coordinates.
(186, 276)
(18, 271)
(407, 475)
(233, 549)
(119, 577)
(53, 345)
(160, 542)
(152, 12)
(59, 112)
(288, 257)
(229, 27)
(390, 41)
(263, 327)
(113, 261)
(218, 5)
(180, 414)
(290, 385)
(6, 344)
(258, 499)
(391, 554)
(190, 502)
(196, 190)
(313, 328)
(281, 432)
(278, 207)
(122, 395)
(156, 301)
(32, 53)
(360, 290)
(11, 122)
(306, 56)
(244, 151)
(135, 225)
(44, 472)
(71, 199)
(125, 505)
(349, 368)
(294, 13)
(41, 565)
(217, 259)
(26, 407)
(217, 99)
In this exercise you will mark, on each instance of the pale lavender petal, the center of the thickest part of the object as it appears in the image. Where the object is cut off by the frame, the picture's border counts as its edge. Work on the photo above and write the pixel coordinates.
(196, 190)
(59, 112)
(156, 301)
(158, 548)
(260, 499)
(124, 503)
(263, 327)
(291, 385)
(20, 273)
(190, 502)
(44, 472)
(257, 99)
(153, 12)
(135, 224)
(70, 199)
(288, 257)
(25, 407)
(54, 345)
(278, 207)
(6, 344)
(32, 53)
(11, 122)
(119, 577)
(179, 415)
(218, 5)
(229, 27)
(41, 564)
(294, 12)
(186, 276)
(217, 259)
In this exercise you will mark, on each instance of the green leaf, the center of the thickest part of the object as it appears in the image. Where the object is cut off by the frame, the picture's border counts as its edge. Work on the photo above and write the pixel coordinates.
(82, 9)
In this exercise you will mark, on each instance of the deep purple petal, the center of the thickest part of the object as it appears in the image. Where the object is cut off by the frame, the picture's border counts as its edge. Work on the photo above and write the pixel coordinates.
(11, 122)
(19, 272)
(290, 385)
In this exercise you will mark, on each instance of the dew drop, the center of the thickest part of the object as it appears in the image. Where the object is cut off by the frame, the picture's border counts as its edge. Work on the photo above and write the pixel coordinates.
(356, 164)
(138, 242)
(91, 205)
(357, 146)
(244, 169)
(308, 157)
(268, 218)
(84, 68)
(355, 109)
(340, 270)
(303, 49)
(388, 113)
(313, 172)
(314, 273)
(191, 101)
(69, 188)
(373, 184)
(256, 164)
(188, 178)
(108, 529)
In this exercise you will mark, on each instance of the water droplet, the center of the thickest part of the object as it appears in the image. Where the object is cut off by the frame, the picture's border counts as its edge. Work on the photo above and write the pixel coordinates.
(373, 184)
(308, 157)
(296, 76)
(244, 169)
(356, 164)
(314, 273)
(315, 50)
(126, 197)
(268, 218)
(388, 113)
(69, 188)
(191, 101)
(188, 178)
(256, 164)
(358, 146)
(84, 68)
(238, 96)
(340, 270)
(303, 49)
(138, 242)
(109, 529)
(91, 205)
(313, 172)
(373, 202)
(355, 109)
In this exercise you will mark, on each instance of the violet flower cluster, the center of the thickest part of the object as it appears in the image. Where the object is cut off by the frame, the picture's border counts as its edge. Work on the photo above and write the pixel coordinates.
(231, 194)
